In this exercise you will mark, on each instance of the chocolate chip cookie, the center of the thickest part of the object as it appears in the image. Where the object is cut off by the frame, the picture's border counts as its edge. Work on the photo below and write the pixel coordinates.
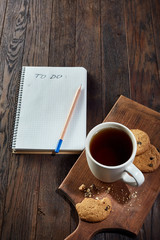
(92, 210)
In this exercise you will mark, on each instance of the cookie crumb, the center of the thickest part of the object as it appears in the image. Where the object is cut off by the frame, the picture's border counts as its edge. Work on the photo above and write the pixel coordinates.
(134, 195)
(93, 187)
(108, 190)
(82, 187)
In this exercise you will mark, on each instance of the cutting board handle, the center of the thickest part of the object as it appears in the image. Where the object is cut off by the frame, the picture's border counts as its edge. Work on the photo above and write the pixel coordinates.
(81, 232)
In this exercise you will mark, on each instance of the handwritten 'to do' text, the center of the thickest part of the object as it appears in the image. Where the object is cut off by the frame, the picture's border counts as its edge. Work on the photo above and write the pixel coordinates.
(52, 76)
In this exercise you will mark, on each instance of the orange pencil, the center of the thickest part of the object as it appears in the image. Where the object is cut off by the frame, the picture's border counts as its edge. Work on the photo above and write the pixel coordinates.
(68, 118)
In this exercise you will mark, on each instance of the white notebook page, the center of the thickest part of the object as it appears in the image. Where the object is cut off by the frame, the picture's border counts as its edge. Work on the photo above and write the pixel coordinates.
(47, 95)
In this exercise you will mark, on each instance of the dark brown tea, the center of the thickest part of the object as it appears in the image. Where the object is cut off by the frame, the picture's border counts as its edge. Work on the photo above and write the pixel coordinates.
(111, 147)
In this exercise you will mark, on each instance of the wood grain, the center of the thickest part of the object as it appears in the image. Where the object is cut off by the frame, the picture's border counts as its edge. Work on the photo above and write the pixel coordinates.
(114, 58)
(88, 54)
(142, 53)
(3, 5)
(127, 214)
(63, 33)
(118, 43)
(12, 43)
(155, 9)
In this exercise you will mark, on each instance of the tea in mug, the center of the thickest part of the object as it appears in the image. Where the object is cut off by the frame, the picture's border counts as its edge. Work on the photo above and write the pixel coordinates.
(111, 147)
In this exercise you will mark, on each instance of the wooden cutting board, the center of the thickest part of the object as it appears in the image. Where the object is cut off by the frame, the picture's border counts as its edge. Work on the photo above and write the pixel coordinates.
(130, 204)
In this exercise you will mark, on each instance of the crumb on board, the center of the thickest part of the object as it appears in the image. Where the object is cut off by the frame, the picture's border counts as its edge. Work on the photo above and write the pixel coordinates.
(120, 195)
(89, 191)
(82, 187)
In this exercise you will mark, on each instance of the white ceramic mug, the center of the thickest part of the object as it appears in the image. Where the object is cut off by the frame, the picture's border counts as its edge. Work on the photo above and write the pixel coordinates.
(126, 171)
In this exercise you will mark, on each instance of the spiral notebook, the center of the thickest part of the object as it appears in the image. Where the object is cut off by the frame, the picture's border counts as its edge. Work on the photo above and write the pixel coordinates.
(45, 97)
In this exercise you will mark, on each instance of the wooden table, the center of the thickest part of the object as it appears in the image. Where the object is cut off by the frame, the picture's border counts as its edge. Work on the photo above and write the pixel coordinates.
(118, 43)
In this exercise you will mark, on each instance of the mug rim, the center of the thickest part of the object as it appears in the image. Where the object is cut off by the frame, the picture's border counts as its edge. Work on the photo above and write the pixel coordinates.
(112, 125)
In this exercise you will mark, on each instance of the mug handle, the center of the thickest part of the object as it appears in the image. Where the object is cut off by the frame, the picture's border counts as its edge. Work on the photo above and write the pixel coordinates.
(137, 177)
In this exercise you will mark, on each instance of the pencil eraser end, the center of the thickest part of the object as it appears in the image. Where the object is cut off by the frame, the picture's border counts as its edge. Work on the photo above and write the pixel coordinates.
(58, 146)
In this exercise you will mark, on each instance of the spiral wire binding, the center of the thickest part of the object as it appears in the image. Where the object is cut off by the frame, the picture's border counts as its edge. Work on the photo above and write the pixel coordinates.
(19, 102)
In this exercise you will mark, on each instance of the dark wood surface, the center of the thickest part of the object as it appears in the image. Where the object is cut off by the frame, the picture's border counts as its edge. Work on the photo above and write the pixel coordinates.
(118, 43)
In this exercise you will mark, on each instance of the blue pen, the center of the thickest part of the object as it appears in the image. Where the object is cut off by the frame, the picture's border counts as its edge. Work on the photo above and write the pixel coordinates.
(68, 119)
